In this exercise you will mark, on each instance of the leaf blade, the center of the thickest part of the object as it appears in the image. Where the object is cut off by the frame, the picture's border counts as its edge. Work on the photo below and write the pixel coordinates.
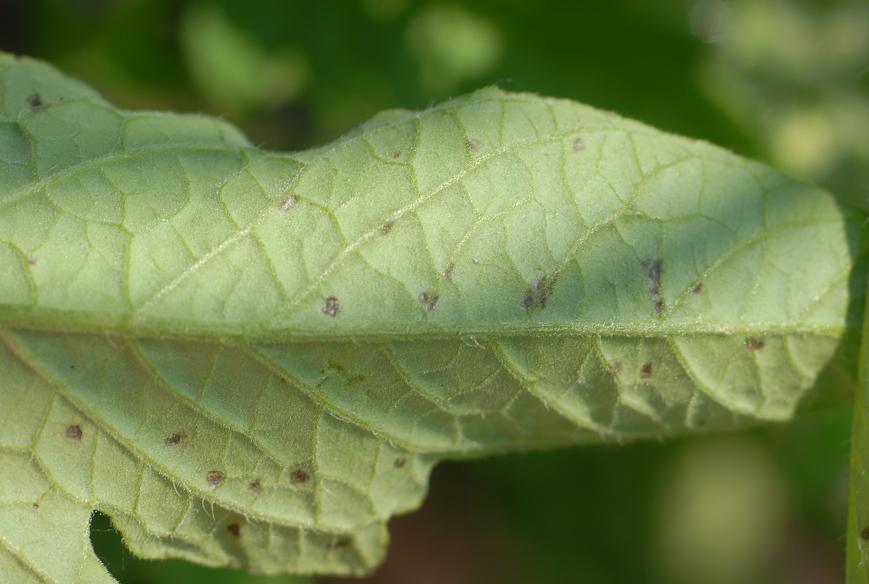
(293, 340)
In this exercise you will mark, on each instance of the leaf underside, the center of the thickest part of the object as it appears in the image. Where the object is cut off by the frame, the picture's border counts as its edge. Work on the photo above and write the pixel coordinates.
(254, 359)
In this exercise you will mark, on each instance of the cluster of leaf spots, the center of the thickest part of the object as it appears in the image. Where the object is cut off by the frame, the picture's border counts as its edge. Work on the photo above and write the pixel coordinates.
(253, 359)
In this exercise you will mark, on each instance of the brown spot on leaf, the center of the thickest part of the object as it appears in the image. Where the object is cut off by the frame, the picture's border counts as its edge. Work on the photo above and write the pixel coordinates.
(396, 154)
(646, 370)
(578, 145)
(36, 505)
(215, 478)
(428, 300)
(299, 476)
(234, 529)
(35, 100)
(175, 439)
(331, 307)
(31, 260)
(754, 344)
(539, 293)
(698, 289)
(386, 227)
(73, 432)
(864, 535)
(399, 462)
(256, 486)
(472, 145)
(449, 270)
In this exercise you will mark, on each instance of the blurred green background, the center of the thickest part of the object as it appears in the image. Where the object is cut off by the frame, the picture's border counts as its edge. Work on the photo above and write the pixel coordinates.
(783, 81)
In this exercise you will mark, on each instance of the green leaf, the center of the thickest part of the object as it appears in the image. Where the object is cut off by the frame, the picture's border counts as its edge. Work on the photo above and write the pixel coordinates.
(254, 359)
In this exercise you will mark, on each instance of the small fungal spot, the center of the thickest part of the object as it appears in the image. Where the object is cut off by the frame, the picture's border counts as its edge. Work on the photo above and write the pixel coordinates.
(256, 486)
(578, 145)
(215, 478)
(298, 477)
(175, 439)
(386, 227)
(449, 270)
(31, 260)
(698, 289)
(538, 294)
(646, 371)
(864, 535)
(35, 100)
(399, 462)
(428, 300)
(331, 307)
(472, 145)
(289, 203)
(754, 344)
(654, 270)
(396, 155)
(73, 432)
(234, 529)
(36, 505)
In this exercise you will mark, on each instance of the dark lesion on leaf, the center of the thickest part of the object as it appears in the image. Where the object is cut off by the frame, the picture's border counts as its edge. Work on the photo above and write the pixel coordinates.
(654, 271)
(215, 478)
(234, 529)
(754, 343)
(399, 462)
(331, 306)
(299, 476)
(864, 534)
(449, 271)
(256, 486)
(74, 432)
(175, 439)
(429, 300)
(539, 293)
(31, 260)
(698, 288)
(386, 227)
(646, 370)
(34, 100)
(472, 145)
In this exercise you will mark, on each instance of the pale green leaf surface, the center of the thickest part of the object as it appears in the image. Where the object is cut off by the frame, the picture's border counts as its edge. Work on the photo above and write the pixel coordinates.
(254, 359)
